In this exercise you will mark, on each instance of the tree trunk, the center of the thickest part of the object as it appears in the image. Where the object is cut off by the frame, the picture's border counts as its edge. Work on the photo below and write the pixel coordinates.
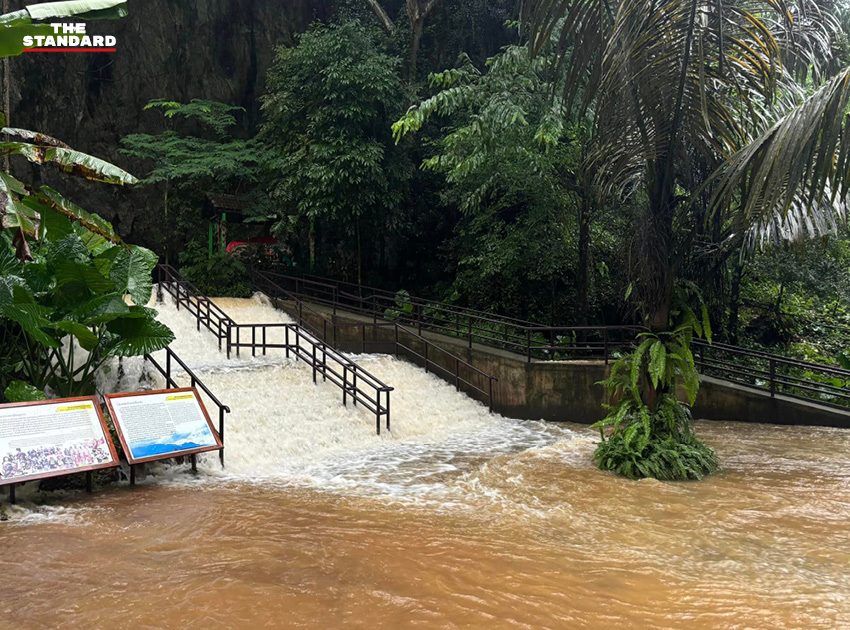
(583, 259)
(383, 18)
(417, 11)
(417, 28)
(312, 239)
(359, 256)
(735, 302)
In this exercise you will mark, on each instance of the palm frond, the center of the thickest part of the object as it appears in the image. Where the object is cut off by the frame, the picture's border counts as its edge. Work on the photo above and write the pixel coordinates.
(797, 173)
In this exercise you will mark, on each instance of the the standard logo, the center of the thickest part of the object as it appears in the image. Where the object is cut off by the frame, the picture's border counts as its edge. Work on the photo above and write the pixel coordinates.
(69, 38)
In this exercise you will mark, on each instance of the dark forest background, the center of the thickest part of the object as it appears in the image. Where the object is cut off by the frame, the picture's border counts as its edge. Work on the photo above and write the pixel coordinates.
(534, 245)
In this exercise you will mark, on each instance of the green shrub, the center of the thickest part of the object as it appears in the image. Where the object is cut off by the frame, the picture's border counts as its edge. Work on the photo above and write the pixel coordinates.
(648, 427)
(219, 276)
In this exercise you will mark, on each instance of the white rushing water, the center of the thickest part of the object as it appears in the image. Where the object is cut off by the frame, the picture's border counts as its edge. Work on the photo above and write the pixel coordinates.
(284, 429)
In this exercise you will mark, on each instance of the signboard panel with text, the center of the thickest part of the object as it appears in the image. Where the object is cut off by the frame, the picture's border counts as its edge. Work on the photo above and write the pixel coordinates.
(162, 424)
(49, 438)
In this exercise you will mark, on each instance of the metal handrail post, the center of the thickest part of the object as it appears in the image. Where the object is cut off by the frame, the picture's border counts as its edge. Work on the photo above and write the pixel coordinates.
(772, 370)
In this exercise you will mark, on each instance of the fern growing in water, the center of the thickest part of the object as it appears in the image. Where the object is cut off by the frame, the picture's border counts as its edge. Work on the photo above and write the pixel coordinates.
(647, 431)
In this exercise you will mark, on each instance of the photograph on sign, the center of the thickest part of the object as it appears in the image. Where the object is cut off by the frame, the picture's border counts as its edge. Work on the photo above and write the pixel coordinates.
(53, 437)
(162, 424)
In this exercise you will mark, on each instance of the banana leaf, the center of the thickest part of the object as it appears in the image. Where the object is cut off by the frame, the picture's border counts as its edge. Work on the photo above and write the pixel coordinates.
(70, 161)
(16, 25)
(82, 9)
(92, 222)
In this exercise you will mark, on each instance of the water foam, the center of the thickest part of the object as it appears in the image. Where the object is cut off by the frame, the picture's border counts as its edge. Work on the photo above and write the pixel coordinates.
(284, 429)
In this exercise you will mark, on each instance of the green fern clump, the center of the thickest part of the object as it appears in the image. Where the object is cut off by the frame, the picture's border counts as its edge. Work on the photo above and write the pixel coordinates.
(647, 431)
(660, 446)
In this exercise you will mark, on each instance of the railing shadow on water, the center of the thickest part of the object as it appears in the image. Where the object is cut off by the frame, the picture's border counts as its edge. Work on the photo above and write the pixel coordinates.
(356, 383)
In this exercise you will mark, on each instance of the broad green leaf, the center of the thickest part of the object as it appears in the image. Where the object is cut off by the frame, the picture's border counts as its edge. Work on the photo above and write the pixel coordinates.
(19, 391)
(706, 323)
(54, 226)
(70, 161)
(9, 264)
(35, 137)
(86, 338)
(7, 287)
(13, 31)
(70, 247)
(88, 166)
(131, 272)
(92, 222)
(16, 215)
(101, 309)
(33, 319)
(83, 9)
(84, 275)
(657, 362)
(10, 183)
(136, 336)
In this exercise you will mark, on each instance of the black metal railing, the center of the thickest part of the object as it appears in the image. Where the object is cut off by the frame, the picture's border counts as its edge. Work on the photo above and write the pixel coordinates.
(452, 368)
(362, 387)
(171, 358)
(186, 295)
(528, 339)
(818, 383)
(325, 361)
(823, 384)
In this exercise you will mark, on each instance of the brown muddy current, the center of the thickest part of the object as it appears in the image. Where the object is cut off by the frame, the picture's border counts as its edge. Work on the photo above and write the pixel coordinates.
(520, 532)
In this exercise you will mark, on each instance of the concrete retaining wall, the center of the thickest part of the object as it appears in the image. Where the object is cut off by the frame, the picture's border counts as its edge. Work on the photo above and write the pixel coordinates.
(564, 391)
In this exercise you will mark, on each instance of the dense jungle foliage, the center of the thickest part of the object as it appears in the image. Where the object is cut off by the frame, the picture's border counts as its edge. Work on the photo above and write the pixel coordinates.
(679, 165)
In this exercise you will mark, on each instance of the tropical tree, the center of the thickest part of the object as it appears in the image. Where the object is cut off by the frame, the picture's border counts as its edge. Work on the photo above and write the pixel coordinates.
(709, 112)
(210, 159)
(328, 110)
(701, 107)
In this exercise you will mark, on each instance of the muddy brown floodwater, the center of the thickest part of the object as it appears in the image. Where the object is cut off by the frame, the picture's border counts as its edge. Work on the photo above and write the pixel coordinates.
(528, 537)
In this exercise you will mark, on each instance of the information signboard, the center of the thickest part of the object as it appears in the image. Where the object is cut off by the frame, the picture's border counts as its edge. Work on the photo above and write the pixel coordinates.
(162, 424)
(49, 438)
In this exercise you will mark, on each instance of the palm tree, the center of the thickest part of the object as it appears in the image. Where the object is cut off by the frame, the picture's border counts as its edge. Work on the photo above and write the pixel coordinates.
(723, 111)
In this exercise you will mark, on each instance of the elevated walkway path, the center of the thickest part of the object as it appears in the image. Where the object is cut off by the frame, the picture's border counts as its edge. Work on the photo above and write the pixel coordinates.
(552, 373)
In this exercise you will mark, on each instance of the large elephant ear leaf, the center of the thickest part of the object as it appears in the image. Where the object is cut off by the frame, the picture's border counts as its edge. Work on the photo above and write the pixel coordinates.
(101, 309)
(19, 391)
(135, 336)
(33, 319)
(131, 272)
(9, 264)
(86, 338)
(70, 247)
(82, 275)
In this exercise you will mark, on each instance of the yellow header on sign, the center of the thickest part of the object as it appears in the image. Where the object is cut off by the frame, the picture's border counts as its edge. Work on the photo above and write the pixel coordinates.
(180, 397)
(75, 407)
